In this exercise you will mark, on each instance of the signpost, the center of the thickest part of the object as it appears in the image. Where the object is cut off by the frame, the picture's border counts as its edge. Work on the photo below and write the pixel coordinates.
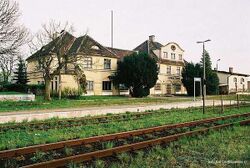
(196, 80)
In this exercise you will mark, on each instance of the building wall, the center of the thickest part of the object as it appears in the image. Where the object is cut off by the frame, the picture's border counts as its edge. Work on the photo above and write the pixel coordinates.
(222, 78)
(239, 85)
(229, 80)
(168, 49)
(168, 81)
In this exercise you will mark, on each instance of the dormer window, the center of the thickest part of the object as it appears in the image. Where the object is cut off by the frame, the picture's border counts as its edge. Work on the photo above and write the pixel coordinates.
(95, 47)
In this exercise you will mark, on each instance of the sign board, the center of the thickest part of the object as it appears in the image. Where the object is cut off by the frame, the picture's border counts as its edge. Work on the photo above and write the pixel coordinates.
(197, 79)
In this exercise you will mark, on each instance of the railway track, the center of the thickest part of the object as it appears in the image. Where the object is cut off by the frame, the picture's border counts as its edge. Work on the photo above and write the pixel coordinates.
(62, 123)
(88, 148)
(45, 125)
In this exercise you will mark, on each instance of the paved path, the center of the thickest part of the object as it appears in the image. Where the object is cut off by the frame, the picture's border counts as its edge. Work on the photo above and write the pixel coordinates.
(79, 112)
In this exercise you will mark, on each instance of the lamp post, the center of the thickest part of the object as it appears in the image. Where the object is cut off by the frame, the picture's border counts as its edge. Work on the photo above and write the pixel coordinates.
(217, 67)
(204, 73)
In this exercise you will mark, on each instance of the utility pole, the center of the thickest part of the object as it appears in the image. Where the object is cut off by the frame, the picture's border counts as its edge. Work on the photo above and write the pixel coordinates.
(112, 31)
(204, 74)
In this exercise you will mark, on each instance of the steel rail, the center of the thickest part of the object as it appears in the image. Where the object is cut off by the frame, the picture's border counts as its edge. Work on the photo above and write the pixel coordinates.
(126, 148)
(83, 141)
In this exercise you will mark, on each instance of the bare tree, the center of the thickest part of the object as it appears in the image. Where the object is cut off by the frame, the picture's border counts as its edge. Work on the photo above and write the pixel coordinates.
(52, 43)
(12, 37)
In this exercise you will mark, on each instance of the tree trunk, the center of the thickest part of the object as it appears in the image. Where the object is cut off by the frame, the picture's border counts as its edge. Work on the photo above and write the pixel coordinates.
(60, 86)
(47, 89)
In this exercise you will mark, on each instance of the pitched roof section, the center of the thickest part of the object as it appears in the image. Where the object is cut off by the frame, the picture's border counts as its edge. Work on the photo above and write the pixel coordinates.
(232, 73)
(87, 45)
(120, 53)
(152, 45)
(149, 46)
(70, 45)
(61, 44)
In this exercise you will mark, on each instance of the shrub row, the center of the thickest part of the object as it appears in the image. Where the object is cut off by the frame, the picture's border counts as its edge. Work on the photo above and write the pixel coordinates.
(36, 89)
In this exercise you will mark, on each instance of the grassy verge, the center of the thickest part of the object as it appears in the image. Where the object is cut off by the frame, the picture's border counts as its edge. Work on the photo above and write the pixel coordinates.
(84, 101)
(225, 148)
(229, 97)
(26, 137)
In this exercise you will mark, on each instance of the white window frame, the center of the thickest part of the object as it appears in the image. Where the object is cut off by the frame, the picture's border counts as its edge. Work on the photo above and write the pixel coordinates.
(90, 85)
(107, 63)
(165, 54)
(173, 56)
(180, 56)
(87, 62)
(178, 70)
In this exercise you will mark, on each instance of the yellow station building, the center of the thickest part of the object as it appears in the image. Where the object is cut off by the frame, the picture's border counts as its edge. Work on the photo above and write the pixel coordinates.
(99, 63)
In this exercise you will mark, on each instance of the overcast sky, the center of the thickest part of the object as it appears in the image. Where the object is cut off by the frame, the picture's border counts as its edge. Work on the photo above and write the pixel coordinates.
(225, 22)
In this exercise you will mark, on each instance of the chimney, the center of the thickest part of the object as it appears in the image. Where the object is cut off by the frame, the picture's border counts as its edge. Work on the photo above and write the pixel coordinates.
(230, 69)
(152, 38)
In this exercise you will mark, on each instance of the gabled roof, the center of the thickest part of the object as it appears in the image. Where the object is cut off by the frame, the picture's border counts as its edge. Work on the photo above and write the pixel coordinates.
(175, 44)
(61, 44)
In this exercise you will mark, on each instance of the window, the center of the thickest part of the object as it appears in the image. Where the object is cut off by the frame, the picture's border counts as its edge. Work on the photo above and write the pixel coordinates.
(180, 56)
(90, 85)
(157, 86)
(242, 80)
(165, 55)
(177, 87)
(106, 85)
(235, 79)
(107, 63)
(87, 62)
(178, 70)
(172, 55)
(38, 82)
(169, 70)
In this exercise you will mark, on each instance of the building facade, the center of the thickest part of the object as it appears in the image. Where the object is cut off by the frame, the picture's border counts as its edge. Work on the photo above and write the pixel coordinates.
(231, 82)
(170, 62)
(99, 63)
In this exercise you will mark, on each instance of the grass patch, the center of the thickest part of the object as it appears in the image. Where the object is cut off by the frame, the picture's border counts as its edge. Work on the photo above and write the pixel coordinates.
(225, 148)
(13, 139)
(84, 101)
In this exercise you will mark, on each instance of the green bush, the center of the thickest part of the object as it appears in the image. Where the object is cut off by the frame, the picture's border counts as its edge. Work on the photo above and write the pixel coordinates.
(71, 93)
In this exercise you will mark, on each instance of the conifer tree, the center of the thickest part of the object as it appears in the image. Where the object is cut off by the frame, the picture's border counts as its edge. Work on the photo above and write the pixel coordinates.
(21, 72)
(138, 72)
